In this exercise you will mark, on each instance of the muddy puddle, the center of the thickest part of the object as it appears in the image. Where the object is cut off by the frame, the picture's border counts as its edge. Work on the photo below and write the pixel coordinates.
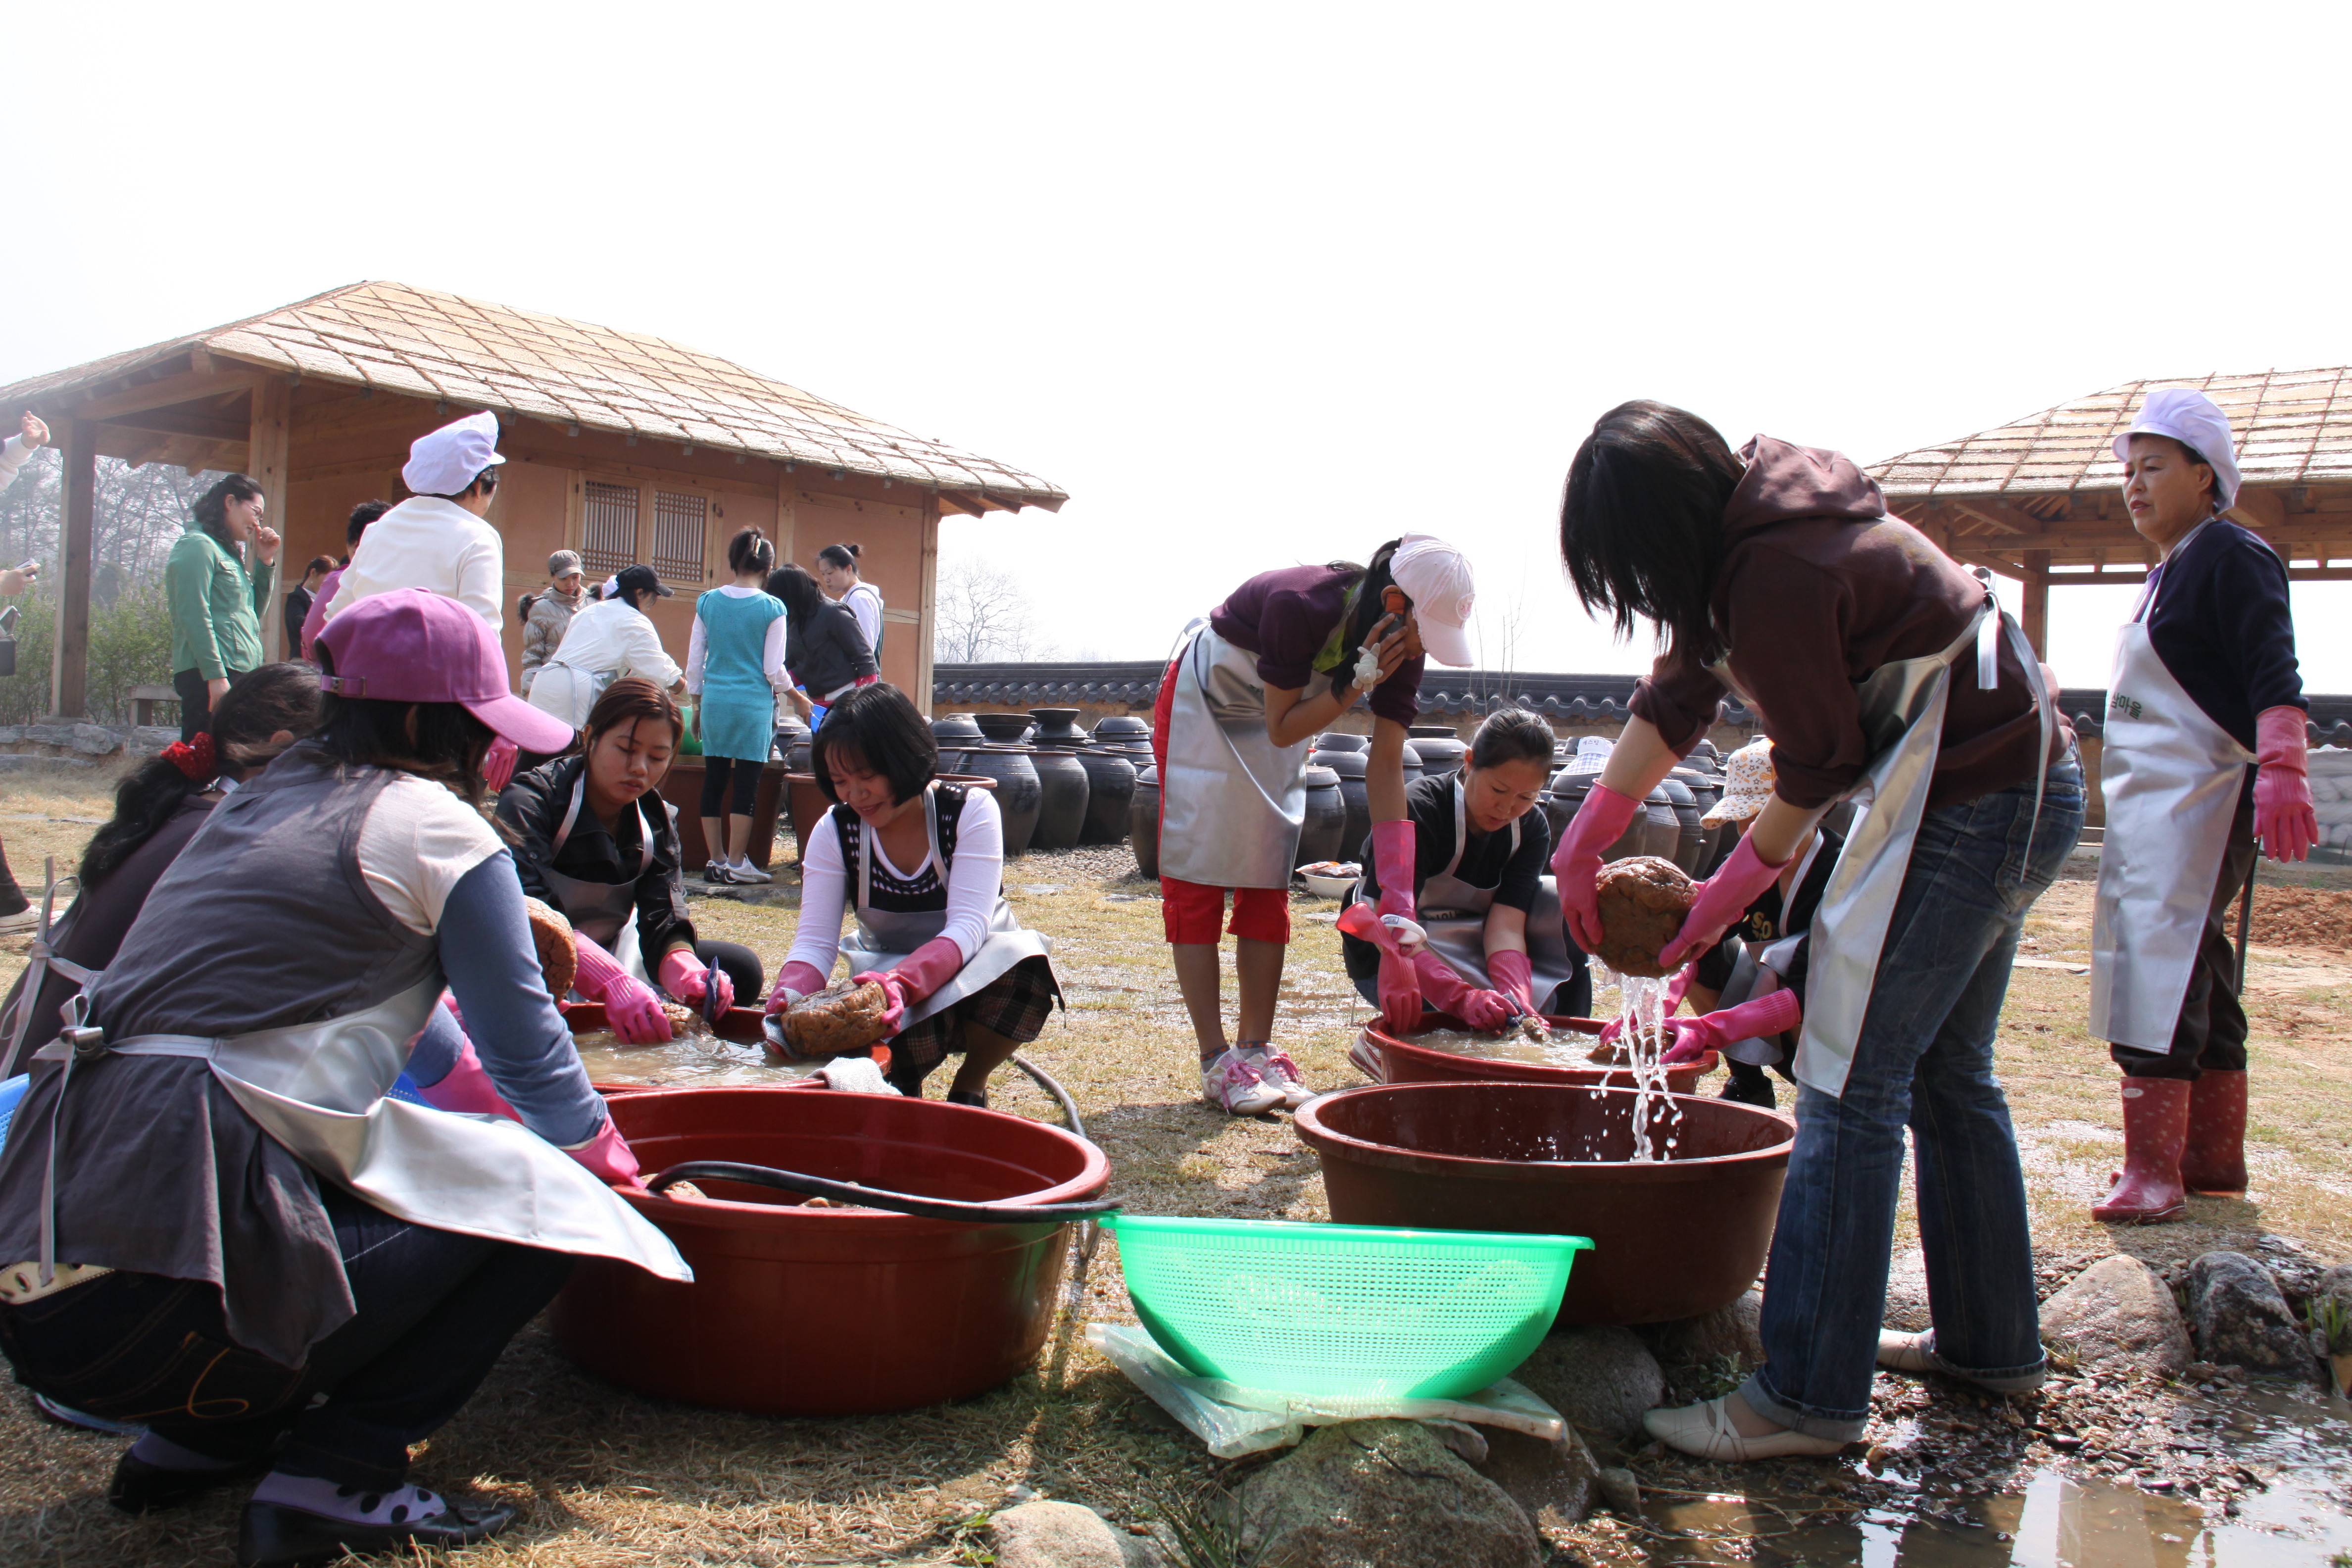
(2053, 1517)
(699, 1061)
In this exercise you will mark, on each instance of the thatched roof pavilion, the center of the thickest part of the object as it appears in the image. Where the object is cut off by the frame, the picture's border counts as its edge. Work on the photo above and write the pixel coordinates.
(2041, 499)
(624, 447)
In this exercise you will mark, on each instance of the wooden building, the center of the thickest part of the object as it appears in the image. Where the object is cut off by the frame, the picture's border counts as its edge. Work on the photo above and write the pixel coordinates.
(2041, 499)
(622, 447)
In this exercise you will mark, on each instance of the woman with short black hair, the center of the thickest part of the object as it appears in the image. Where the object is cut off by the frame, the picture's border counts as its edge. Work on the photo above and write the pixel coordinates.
(1776, 574)
(1496, 948)
(215, 600)
(920, 864)
(827, 652)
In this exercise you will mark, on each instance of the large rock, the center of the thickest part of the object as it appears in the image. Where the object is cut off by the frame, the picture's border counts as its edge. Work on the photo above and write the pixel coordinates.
(95, 741)
(2117, 1314)
(2240, 1318)
(1043, 1534)
(1552, 1481)
(1735, 1330)
(1382, 1494)
(147, 739)
(1600, 1378)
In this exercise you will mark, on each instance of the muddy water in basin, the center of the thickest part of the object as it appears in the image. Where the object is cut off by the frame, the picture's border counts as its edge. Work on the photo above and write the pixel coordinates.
(698, 1061)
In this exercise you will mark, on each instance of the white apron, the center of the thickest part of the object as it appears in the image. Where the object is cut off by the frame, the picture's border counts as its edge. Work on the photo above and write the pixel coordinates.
(1232, 803)
(887, 938)
(605, 913)
(568, 693)
(2170, 777)
(319, 1089)
(1779, 955)
(1453, 913)
(1902, 718)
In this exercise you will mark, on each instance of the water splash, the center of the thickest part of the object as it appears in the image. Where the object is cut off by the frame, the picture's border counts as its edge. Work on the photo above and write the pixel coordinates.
(1644, 1035)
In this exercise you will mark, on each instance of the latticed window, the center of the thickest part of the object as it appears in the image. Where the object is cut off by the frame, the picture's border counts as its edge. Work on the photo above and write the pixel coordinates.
(680, 522)
(610, 538)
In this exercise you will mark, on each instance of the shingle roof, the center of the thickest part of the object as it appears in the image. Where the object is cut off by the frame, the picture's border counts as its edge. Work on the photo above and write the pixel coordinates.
(2294, 427)
(472, 353)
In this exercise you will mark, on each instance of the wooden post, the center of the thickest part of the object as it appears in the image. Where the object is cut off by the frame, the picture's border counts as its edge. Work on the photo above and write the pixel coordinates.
(788, 510)
(923, 693)
(270, 435)
(2035, 602)
(69, 658)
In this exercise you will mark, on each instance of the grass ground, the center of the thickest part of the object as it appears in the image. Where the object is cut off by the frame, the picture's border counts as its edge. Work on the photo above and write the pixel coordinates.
(611, 1479)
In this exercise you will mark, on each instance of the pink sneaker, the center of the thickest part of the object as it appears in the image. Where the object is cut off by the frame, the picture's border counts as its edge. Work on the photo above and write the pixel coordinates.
(1233, 1084)
(1279, 1071)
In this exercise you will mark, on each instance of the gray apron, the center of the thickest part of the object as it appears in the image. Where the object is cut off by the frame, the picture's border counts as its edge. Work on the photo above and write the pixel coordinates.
(1902, 717)
(40, 958)
(1453, 913)
(887, 938)
(1780, 956)
(2170, 777)
(1232, 803)
(604, 913)
(319, 1089)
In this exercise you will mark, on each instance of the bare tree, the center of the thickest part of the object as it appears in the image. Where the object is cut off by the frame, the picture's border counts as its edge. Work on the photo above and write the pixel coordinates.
(1499, 655)
(139, 512)
(984, 617)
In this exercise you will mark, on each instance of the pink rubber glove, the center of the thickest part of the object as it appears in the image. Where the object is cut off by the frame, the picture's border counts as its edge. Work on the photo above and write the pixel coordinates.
(1514, 976)
(1722, 899)
(686, 978)
(1760, 1016)
(499, 763)
(925, 970)
(467, 1087)
(798, 979)
(630, 1004)
(1489, 1012)
(1393, 846)
(1600, 822)
(608, 1158)
(2283, 820)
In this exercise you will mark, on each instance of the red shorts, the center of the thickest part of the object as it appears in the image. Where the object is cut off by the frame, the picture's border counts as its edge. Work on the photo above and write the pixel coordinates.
(1192, 912)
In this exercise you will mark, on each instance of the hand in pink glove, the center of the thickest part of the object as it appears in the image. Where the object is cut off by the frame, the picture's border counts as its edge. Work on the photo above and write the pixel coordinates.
(1449, 992)
(1515, 977)
(630, 1005)
(467, 1087)
(608, 1158)
(499, 763)
(2283, 820)
(1393, 846)
(1600, 822)
(926, 969)
(798, 979)
(1722, 899)
(687, 978)
(1760, 1017)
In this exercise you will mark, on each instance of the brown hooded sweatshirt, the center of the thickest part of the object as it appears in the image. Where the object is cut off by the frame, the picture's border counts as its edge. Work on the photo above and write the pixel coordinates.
(1818, 589)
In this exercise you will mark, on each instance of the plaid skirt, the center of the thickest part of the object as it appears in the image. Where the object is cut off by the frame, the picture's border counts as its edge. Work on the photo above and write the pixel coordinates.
(1015, 1005)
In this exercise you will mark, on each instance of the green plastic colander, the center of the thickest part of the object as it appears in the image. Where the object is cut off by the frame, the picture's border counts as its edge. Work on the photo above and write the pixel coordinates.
(1342, 1310)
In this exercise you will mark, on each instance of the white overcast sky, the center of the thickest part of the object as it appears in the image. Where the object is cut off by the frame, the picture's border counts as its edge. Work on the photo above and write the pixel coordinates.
(1256, 284)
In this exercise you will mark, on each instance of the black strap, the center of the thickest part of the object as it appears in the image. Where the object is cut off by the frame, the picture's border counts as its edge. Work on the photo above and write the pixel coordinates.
(876, 1198)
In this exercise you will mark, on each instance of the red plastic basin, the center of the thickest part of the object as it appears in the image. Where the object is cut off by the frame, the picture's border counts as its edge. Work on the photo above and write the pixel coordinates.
(1671, 1238)
(1411, 1063)
(802, 1312)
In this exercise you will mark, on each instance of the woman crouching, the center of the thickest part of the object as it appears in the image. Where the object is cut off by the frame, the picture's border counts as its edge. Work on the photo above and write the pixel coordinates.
(922, 865)
(230, 1234)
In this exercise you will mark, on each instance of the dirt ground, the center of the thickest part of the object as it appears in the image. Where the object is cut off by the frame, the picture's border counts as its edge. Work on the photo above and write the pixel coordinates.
(611, 1478)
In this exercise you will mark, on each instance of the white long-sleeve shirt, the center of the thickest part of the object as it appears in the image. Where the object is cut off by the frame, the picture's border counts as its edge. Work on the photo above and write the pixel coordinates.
(772, 652)
(975, 881)
(13, 454)
(610, 634)
(865, 602)
(428, 541)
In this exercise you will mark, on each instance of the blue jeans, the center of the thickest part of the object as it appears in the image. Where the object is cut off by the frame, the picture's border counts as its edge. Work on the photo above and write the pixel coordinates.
(1923, 1059)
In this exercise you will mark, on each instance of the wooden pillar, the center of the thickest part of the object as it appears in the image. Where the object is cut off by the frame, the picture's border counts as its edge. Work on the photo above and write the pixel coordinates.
(788, 510)
(2035, 602)
(923, 693)
(69, 658)
(266, 453)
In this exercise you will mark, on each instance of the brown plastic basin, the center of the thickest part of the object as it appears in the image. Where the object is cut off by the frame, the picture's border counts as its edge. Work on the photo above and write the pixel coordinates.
(833, 1311)
(1411, 1063)
(1671, 1239)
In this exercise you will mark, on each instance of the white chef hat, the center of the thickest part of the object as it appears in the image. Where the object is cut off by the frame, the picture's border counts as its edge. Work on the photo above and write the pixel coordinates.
(446, 461)
(2197, 422)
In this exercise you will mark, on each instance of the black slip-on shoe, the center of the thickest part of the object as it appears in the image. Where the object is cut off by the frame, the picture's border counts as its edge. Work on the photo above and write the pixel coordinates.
(967, 1097)
(274, 1535)
(140, 1487)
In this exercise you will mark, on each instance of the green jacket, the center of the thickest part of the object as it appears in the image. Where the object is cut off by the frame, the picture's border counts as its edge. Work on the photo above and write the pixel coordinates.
(217, 608)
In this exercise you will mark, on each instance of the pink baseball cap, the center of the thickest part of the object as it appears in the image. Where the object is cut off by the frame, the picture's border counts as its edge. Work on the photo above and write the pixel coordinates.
(411, 645)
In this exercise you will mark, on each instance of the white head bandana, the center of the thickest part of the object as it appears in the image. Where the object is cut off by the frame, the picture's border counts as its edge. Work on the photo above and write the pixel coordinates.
(2197, 422)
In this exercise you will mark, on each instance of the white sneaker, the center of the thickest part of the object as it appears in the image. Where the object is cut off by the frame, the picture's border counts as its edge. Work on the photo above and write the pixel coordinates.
(1369, 1058)
(22, 920)
(1232, 1083)
(744, 871)
(1280, 1072)
(718, 872)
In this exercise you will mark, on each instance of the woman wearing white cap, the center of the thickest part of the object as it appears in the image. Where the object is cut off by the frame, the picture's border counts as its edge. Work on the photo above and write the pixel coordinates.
(1872, 659)
(437, 538)
(1249, 687)
(2205, 682)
